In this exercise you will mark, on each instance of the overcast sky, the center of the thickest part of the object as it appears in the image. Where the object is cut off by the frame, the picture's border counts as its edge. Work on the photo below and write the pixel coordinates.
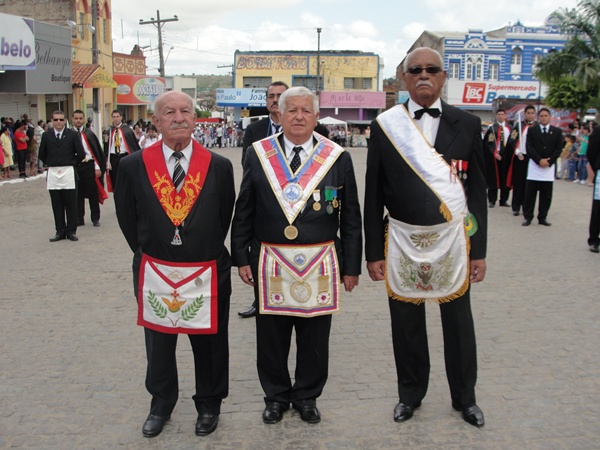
(208, 33)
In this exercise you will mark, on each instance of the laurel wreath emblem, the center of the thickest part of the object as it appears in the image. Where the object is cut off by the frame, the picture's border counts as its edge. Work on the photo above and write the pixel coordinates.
(157, 307)
(190, 312)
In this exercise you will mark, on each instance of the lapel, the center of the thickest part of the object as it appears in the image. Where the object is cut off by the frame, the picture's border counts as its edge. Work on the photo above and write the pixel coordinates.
(447, 131)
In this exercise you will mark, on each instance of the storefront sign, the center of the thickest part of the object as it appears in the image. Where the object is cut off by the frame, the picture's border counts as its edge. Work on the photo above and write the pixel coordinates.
(17, 43)
(137, 89)
(242, 97)
(483, 93)
(353, 99)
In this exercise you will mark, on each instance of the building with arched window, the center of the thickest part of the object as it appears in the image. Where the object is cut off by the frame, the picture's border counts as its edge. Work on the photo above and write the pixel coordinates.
(485, 66)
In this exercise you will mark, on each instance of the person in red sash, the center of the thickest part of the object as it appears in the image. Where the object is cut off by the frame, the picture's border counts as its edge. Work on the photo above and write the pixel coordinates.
(121, 142)
(295, 194)
(498, 159)
(394, 184)
(174, 201)
(90, 171)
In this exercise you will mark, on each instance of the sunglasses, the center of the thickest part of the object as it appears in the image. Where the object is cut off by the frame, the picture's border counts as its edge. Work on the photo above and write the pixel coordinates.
(58, 120)
(432, 70)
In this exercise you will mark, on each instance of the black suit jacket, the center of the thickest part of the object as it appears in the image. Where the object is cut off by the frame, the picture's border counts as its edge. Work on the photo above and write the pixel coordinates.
(148, 229)
(130, 138)
(393, 185)
(66, 152)
(95, 147)
(259, 218)
(260, 130)
(593, 151)
(549, 146)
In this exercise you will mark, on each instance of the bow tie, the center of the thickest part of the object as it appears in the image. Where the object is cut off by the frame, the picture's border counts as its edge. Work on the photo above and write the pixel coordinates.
(433, 112)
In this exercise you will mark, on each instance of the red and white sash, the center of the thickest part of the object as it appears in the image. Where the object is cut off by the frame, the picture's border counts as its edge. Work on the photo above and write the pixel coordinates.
(294, 190)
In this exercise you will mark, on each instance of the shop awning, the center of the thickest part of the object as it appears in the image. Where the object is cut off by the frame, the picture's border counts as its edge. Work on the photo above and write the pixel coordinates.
(92, 76)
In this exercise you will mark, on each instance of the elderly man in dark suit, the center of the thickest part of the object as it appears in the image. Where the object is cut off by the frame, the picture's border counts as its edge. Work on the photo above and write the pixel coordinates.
(299, 214)
(544, 144)
(61, 151)
(425, 166)
(90, 171)
(174, 202)
(261, 129)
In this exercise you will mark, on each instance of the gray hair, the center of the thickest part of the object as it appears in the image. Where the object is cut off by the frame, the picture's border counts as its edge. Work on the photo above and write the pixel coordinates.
(405, 64)
(298, 91)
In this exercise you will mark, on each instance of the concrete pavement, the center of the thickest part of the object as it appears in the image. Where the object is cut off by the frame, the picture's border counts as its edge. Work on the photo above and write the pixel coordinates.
(72, 360)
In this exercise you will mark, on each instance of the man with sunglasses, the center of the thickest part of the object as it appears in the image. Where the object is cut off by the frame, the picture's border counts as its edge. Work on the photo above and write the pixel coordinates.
(61, 150)
(425, 166)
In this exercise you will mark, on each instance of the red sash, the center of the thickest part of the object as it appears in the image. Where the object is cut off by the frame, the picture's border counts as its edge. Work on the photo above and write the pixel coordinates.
(102, 195)
(176, 205)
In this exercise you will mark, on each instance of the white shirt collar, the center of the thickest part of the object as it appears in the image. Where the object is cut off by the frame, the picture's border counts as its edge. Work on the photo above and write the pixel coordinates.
(168, 152)
(289, 145)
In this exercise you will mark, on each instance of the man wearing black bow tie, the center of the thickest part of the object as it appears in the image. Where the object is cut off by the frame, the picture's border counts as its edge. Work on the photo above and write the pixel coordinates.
(425, 166)
(61, 150)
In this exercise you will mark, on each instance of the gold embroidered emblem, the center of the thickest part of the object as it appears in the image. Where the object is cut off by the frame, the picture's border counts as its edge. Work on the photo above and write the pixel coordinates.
(177, 205)
(424, 240)
(426, 276)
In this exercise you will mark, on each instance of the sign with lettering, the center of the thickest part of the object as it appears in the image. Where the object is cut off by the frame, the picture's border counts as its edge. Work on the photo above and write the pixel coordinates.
(100, 79)
(138, 90)
(242, 97)
(353, 99)
(483, 93)
(17, 43)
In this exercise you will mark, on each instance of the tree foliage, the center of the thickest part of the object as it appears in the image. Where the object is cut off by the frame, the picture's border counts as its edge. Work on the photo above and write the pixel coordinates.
(575, 70)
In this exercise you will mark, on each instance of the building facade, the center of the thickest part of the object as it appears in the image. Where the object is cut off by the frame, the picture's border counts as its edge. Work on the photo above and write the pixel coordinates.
(485, 66)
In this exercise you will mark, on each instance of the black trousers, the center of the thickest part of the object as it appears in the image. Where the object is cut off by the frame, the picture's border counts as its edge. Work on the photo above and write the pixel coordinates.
(87, 187)
(64, 204)
(594, 238)
(411, 350)
(114, 164)
(532, 188)
(493, 195)
(21, 160)
(519, 179)
(273, 340)
(211, 363)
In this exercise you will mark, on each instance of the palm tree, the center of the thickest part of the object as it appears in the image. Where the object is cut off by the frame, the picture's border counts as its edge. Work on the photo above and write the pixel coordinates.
(578, 62)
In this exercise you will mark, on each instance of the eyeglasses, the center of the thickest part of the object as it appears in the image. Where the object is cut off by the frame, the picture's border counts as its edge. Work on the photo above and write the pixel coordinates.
(58, 120)
(432, 70)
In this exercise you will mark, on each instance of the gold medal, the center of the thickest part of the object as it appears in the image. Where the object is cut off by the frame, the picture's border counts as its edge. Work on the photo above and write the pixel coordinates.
(317, 206)
(291, 232)
(335, 203)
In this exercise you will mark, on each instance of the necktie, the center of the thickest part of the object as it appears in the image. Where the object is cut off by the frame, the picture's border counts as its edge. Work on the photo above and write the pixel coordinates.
(544, 130)
(178, 172)
(433, 112)
(501, 136)
(295, 164)
(276, 128)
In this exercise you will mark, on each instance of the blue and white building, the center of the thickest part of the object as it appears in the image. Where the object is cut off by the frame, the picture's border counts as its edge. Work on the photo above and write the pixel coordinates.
(484, 66)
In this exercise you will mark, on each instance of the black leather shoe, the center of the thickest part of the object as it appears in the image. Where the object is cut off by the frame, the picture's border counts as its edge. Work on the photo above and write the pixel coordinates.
(96, 223)
(594, 248)
(309, 413)
(515, 213)
(504, 204)
(72, 237)
(526, 223)
(250, 312)
(273, 412)
(404, 412)
(473, 415)
(490, 204)
(206, 423)
(154, 425)
(57, 237)
(545, 223)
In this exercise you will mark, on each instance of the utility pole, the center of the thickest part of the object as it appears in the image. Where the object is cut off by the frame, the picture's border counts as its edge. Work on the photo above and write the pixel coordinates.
(158, 23)
(96, 117)
(319, 64)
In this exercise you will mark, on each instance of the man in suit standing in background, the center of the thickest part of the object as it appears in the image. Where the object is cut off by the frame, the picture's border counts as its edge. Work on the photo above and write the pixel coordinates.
(61, 151)
(121, 143)
(544, 144)
(90, 171)
(423, 158)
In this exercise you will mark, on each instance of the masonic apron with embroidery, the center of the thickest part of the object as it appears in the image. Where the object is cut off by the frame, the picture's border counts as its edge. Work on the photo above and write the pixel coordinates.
(177, 297)
(297, 280)
(426, 262)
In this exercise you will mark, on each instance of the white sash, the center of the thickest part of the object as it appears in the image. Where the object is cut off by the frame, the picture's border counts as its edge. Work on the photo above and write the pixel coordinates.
(294, 190)
(298, 281)
(426, 162)
(426, 262)
(178, 297)
(62, 177)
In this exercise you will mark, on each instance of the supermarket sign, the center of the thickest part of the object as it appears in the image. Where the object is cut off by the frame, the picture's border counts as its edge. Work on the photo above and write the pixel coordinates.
(483, 93)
